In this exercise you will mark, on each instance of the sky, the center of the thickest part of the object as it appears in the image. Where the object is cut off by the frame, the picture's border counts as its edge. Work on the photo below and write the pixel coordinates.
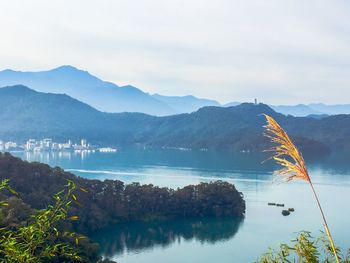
(278, 51)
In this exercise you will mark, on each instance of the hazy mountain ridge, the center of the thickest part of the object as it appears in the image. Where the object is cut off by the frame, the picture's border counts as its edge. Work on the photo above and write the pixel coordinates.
(26, 113)
(103, 95)
(300, 110)
(109, 97)
(29, 114)
(314, 110)
(185, 104)
(230, 104)
(331, 109)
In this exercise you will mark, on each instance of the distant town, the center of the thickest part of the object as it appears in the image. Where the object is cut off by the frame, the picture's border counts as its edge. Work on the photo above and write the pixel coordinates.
(46, 145)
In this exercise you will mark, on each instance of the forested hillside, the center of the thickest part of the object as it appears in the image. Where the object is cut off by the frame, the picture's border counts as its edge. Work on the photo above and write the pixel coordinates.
(26, 114)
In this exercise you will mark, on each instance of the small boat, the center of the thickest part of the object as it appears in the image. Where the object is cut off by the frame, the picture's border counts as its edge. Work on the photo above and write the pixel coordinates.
(285, 213)
(291, 209)
(271, 203)
(281, 205)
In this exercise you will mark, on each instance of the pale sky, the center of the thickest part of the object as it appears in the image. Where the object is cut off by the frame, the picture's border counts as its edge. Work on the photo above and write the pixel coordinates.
(279, 51)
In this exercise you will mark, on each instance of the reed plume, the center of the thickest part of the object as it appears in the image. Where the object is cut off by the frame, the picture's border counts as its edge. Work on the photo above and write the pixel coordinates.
(286, 154)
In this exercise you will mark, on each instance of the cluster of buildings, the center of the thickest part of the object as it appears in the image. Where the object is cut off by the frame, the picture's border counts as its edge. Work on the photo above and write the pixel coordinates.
(45, 145)
(9, 146)
(49, 145)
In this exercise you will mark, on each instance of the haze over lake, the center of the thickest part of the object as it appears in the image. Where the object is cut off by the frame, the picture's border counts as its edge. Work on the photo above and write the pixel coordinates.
(223, 240)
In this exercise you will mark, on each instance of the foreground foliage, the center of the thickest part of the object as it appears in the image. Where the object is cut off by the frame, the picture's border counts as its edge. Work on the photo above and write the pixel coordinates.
(39, 241)
(305, 249)
(41, 237)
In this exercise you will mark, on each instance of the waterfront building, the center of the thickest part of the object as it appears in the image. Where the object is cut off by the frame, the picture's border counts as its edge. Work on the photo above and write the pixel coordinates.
(30, 145)
(10, 146)
(46, 144)
(83, 143)
(66, 146)
(107, 150)
(55, 146)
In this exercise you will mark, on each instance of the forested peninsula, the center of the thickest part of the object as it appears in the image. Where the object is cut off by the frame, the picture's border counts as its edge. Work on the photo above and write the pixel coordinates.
(104, 203)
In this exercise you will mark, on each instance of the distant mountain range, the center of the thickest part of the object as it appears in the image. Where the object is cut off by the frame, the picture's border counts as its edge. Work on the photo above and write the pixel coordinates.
(109, 97)
(104, 96)
(299, 110)
(185, 104)
(25, 113)
(302, 110)
(81, 85)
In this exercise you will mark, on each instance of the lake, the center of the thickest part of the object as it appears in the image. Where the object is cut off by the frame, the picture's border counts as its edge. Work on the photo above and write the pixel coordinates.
(210, 240)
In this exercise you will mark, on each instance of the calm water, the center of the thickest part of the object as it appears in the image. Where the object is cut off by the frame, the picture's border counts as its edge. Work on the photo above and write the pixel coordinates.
(214, 240)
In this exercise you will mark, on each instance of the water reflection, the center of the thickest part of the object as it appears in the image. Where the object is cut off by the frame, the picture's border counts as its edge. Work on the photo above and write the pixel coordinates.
(54, 157)
(210, 161)
(138, 237)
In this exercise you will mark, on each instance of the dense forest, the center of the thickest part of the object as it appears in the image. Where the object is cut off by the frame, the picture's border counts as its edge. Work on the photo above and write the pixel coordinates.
(237, 128)
(103, 203)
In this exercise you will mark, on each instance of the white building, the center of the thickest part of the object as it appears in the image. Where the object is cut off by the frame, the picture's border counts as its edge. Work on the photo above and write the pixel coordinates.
(65, 146)
(46, 143)
(30, 145)
(55, 146)
(107, 150)
(10, 145)
(83, 143)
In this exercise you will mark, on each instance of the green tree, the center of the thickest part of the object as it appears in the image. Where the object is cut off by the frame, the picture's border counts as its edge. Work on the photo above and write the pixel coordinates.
(40, 240)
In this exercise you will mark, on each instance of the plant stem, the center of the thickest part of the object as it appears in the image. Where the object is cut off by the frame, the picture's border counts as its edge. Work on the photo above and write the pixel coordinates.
(325, 223)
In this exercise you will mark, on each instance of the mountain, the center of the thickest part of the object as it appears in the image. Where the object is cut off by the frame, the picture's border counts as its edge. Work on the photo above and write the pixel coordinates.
(85, 87)
(313, 110)
(185, 104)
(104, 96)
(109, 97)
(317, 116)
(302, 110)
(25, 113)
(299, 110)
(230, 104)
(331, 109)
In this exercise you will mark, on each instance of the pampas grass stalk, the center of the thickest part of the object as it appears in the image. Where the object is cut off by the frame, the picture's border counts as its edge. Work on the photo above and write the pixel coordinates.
(286, 154)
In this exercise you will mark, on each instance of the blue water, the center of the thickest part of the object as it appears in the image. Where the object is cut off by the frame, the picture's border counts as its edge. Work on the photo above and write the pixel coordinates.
(215, 240)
